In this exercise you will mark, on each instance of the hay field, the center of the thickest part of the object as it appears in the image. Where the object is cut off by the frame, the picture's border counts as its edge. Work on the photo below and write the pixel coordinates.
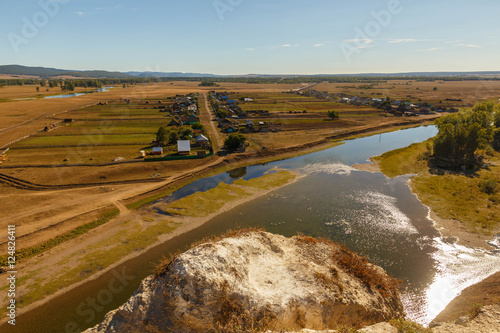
(470, 92)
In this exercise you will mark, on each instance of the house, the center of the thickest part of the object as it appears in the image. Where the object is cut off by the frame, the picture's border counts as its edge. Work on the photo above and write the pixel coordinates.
(425, 110)
(192, 119)
(202, 140)
(248, 99)
(231, 101)
(193, 107)
(157, 150)
(227, 128)
(176, 122)
(184, 147)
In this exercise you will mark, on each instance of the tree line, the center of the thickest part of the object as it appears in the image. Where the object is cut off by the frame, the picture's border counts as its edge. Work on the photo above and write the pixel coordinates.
(462, 134)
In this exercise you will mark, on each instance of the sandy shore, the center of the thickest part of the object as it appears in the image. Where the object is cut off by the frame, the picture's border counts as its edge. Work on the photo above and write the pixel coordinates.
(370, 167)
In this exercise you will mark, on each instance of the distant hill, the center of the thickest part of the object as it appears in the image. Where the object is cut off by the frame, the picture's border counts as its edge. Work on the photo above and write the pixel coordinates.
(51, 72)
(170, 74)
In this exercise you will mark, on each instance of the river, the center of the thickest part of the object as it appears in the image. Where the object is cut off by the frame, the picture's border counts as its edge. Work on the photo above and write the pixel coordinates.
(104, 89)
(373, 215)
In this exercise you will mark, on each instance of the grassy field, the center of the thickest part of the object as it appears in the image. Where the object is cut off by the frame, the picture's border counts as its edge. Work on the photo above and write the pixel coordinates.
(409, 160)
(73, 155)
(451, 195)
(202, 204)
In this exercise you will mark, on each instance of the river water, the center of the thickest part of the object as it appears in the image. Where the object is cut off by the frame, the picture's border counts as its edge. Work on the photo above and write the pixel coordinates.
(104, 89)
(371, 214)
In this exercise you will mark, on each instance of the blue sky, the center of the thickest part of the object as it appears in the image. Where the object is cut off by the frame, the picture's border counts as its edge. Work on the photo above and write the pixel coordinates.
(252, 36)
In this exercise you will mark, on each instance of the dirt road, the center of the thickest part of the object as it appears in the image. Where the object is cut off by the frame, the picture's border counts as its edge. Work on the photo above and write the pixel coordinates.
(206, 120)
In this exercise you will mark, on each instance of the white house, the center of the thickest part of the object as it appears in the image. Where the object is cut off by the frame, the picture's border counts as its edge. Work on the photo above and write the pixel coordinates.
(184, 146)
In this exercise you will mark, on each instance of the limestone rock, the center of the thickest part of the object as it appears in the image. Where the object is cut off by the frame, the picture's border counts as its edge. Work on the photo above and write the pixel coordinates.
(257, 280)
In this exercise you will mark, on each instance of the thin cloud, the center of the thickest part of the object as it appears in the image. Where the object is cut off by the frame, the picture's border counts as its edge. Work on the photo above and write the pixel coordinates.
(290, 45)
(80, 13)
(360, 40)
(432, 49)
(407, 40)
(250, 49)
(319, 45)
(469, 45)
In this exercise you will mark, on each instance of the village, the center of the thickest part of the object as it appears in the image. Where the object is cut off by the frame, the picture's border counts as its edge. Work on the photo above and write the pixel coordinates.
(262, 114)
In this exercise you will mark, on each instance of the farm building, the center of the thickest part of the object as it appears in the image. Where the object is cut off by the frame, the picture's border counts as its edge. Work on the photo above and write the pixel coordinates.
(192, 119)
(157, 150)
(175, 122)
(184, 146)
(202, 140)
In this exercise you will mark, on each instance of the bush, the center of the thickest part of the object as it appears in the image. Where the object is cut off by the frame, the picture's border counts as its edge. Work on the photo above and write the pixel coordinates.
(488, 186)
(407, 326)
(333, 114)
(234, 141)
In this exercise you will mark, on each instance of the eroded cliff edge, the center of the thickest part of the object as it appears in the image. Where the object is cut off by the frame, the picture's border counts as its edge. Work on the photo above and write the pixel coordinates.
(257, 280)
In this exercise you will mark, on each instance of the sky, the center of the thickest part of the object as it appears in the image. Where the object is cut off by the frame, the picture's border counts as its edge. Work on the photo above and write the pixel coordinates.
(252, 36)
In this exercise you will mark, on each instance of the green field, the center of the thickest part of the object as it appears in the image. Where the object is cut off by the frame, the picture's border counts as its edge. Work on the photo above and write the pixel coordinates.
(74, 155)
(84, 140)
(131, 126)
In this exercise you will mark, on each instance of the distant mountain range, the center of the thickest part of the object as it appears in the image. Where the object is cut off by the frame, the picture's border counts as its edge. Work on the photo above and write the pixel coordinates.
(170, 74)
(52, 72)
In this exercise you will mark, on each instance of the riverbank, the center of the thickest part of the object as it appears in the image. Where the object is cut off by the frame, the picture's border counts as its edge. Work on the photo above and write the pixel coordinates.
(398, 162)
(130, 235)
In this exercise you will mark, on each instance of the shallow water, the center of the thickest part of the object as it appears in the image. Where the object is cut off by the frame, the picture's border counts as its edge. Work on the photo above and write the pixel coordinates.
(79, 94)
(371, 214)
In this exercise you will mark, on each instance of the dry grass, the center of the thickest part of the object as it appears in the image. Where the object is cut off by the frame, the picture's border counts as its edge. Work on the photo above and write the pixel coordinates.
(408, 326)
(366, 272)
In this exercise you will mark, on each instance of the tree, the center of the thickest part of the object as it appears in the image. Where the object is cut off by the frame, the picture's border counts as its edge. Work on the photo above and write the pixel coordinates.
(435, 88)
(37, 89)
(461, 134)
(197, 126)
(161, 136)
(234, 140)
(222, 113)
(186, 133)
(68, 85)
(333, 114)
(42, 83)
(173, 137)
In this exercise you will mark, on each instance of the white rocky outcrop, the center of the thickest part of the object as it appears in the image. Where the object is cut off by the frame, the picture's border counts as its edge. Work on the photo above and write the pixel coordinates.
(257, 280)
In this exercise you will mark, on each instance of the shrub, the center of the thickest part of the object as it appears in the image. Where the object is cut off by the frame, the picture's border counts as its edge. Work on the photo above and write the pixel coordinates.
(363, 270)
(474, 310)
(488, 186)
(408, 326)
(333, 114)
